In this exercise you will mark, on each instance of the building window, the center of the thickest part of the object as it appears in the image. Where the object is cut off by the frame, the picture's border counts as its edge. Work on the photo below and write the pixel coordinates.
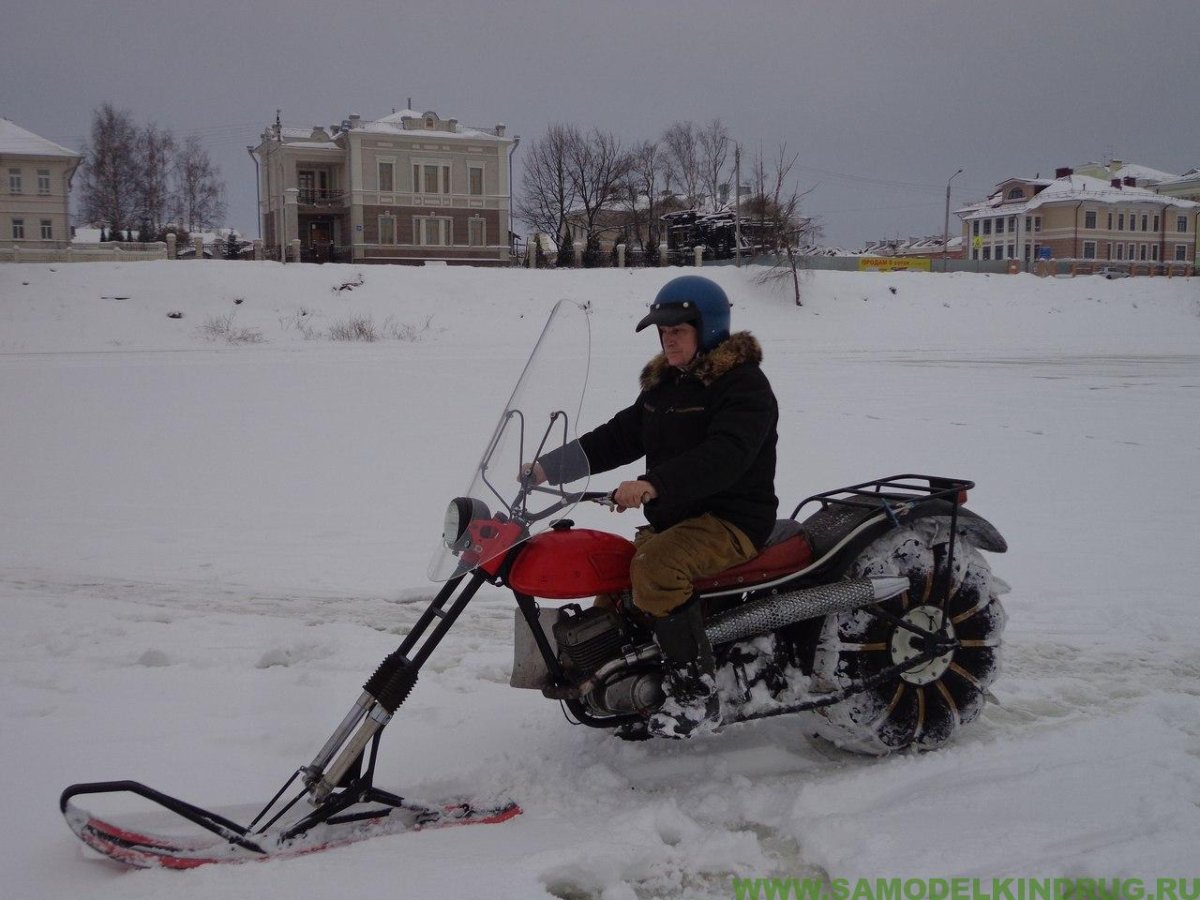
(18, 229)
(432, 232)
(314, 185)
(1142, 252)
(1156, 223)
(475, 232)
(1120, 251)
(387, 229)
(43, 176)
(1089, 219)
(387, 177)
(1028, 224)
(1145, 220)
(431, 178)
(1121, 222)
(1012, 224)
(1133, 221)
(987, 226)
(975, 228)
(1110, 221)
(47, 230)
(1132, 252)
(1181, 224)
(1181, 252)
(1089, 249)
(1000, 226)
(1154, 252)
(987, 252)
(14, 181)
(1037, 223)
(475, 180)
(1012, 251)
(1016, 194)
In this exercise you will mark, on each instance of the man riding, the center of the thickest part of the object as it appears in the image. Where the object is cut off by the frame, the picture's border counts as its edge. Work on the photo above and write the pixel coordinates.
(705, 421)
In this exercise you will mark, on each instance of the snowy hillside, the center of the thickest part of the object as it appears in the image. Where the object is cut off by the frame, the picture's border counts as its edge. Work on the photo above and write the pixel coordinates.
(217, 518)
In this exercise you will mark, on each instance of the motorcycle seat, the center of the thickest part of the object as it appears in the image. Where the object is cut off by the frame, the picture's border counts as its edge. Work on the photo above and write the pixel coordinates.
(787, 550)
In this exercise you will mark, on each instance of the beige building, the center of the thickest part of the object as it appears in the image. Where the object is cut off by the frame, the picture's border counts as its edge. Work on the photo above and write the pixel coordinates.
(407, 188)
(1079, 217)
(35, 184)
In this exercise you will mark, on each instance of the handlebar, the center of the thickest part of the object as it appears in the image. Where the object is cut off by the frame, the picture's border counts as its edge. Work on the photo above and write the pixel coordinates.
(600, 497)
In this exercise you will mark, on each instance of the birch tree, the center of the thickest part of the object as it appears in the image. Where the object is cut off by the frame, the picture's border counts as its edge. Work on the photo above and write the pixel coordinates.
(110, 174)
(198, 188)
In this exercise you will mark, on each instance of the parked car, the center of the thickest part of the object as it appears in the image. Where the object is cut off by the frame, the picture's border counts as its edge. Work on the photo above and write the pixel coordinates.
(1111, 272)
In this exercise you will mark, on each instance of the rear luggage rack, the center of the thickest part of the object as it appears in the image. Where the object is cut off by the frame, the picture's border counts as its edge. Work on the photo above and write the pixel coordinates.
(894, 494)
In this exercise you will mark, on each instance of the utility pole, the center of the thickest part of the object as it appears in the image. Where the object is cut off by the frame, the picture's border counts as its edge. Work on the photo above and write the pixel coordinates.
(737, 205)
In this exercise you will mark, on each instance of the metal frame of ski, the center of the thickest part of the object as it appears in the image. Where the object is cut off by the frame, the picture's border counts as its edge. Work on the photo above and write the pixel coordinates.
(336, 779)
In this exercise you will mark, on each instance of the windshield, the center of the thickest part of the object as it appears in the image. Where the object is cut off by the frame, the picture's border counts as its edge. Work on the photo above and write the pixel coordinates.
(540, 417)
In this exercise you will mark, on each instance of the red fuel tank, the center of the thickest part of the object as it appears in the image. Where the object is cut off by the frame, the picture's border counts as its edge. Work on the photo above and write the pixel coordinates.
(571, 563)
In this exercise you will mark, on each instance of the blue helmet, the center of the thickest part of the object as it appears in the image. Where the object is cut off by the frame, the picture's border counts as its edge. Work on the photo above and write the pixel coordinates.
(696, 300)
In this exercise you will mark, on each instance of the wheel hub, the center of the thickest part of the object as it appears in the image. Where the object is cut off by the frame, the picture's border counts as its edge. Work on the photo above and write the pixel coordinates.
(907, 645)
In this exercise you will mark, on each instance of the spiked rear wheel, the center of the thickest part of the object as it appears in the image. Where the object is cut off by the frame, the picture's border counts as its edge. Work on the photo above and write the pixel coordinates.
(926, 705)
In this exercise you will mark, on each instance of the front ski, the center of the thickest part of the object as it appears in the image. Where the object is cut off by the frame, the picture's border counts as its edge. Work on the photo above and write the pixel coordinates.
(191, 837)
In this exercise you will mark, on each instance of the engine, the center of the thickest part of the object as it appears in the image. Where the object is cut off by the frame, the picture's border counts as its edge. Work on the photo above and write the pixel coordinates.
(588, 641)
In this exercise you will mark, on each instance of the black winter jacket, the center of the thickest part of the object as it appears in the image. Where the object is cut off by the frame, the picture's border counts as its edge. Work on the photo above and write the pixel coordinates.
(708, 434)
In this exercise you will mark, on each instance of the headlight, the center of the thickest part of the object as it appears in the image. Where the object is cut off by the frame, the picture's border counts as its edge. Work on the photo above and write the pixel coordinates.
(459, 515)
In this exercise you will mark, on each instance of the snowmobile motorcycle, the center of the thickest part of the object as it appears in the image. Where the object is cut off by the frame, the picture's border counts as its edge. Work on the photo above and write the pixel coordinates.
(873, 619)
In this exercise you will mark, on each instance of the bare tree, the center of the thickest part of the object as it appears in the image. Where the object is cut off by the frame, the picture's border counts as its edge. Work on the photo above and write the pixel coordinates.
(110, 176)
(777, 206)
(684, 173)
(155, 158)
(547, 192)
(714, 144)
(198, 187)
(596, 164)
(640, 190)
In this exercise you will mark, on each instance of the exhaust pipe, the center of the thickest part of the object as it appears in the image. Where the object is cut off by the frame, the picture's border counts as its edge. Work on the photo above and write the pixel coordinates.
(769, 613)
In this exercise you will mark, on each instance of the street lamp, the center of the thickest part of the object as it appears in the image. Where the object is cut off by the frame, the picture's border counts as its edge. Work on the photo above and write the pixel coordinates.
(946, 222)
(511, 150)
(257, 192)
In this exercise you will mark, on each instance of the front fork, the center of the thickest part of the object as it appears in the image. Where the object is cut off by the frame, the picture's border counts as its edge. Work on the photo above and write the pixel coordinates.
(385, 690)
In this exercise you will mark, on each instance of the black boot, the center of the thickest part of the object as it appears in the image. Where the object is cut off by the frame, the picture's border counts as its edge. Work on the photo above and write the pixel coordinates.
(692, 705)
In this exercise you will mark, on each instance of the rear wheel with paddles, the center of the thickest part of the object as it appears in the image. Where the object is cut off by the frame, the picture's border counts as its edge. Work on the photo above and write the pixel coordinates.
(926, 705)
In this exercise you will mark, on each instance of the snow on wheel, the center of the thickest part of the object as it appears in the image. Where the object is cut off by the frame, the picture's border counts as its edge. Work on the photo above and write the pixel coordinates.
(926, 705)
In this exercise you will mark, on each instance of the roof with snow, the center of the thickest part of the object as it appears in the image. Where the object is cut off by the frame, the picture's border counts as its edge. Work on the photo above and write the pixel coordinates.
(1189, 175)
(1071, 188)
(1118, 169)
(1143, 174)
(393, 123)
(16, 140)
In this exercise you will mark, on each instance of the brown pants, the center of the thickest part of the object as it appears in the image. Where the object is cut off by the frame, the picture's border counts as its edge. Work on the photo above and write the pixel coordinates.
(666, 563)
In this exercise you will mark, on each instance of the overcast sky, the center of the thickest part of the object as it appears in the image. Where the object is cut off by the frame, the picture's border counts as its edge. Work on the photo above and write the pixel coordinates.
(883, 101)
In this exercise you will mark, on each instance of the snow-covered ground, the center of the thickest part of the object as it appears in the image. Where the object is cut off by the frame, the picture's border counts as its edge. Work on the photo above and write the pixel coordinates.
(214, 526)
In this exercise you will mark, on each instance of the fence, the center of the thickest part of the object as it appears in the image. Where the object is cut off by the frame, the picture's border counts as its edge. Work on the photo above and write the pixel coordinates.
(107, 252)
(125, 251)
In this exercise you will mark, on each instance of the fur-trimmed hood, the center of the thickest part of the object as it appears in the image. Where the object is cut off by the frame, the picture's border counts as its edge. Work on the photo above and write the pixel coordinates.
(737, 349)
